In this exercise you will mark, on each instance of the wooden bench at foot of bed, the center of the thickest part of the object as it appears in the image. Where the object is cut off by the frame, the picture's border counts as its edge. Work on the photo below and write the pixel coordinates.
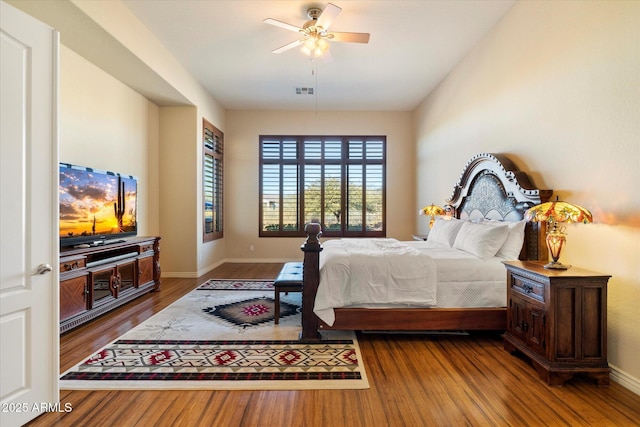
(289, 280)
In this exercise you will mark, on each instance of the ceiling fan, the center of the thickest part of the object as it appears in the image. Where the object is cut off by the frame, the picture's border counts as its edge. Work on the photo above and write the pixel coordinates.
(315, 32)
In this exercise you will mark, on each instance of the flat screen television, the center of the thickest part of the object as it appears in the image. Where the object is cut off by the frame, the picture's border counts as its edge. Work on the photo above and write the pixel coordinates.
(96, 207)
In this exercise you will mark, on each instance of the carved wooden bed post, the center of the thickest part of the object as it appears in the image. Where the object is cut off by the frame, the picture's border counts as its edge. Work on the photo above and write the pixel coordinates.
(310, 281)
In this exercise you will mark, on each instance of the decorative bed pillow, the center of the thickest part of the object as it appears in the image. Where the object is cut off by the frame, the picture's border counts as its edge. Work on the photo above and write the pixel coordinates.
(512, 247)
(444, 231)
(481, 240)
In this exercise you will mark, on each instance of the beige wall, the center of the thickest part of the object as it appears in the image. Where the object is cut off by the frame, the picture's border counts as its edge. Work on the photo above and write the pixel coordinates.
(106, 125)
(178, 198)
(556, 86)
(241, 172)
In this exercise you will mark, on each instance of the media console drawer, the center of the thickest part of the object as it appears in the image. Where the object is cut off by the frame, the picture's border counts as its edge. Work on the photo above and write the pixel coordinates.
(97, 279)
(72, 263)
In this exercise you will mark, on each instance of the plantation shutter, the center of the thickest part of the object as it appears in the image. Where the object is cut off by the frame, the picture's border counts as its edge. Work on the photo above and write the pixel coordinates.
(337, 181)
(212, 171)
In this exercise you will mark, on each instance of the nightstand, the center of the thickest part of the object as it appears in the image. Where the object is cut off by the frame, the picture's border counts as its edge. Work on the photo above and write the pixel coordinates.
(558, 319)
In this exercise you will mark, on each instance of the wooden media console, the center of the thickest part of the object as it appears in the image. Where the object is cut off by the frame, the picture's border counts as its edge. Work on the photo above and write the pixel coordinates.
(99, 278)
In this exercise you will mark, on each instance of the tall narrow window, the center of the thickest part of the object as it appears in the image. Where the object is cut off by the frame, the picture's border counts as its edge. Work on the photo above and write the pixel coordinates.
(212, 173)
(336, 180)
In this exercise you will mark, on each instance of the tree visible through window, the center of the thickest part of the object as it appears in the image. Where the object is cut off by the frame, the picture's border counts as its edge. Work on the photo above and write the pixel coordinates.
(338, 181)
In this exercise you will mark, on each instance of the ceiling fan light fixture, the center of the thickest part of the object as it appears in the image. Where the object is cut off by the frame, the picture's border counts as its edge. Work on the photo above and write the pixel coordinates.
(314, 46)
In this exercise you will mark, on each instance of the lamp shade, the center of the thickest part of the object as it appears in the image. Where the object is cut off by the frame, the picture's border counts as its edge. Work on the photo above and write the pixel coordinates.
(558, 211)
(431, 210)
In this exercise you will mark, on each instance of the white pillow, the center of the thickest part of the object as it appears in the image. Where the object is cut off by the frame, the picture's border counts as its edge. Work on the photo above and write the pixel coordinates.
(512, 247)
(444, 231)
(481, 240)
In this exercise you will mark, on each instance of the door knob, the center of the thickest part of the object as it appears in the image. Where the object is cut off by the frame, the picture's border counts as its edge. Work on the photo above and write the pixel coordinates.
(44, 268)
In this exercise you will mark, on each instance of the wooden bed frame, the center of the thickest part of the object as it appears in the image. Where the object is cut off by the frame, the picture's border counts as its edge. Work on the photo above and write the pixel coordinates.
(490, 186)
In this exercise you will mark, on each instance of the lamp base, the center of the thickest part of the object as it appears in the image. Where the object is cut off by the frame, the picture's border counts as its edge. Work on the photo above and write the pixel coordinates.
(554, 265)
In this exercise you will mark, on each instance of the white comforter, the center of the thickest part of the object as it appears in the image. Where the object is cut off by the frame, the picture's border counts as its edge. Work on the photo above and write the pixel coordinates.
(387, 272)
(363, 271)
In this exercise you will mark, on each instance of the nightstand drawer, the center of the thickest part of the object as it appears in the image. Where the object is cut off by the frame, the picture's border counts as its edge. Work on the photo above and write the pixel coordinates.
(528, 288)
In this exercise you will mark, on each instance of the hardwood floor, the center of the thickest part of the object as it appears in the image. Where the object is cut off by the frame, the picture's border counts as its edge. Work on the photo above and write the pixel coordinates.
(416, 380)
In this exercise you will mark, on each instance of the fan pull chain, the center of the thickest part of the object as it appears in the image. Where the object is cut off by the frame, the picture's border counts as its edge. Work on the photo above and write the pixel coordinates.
(314, 71)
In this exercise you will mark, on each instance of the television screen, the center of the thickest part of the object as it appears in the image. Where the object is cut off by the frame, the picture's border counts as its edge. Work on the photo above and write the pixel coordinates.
(95, 206)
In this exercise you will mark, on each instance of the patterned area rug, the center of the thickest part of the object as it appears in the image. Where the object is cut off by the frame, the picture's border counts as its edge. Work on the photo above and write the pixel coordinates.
(251, 312)
(222, 284)
(224, 340)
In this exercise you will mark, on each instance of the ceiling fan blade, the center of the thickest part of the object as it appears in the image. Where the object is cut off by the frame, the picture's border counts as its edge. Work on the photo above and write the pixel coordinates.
(288, 46)
(282, 25)
(350, 37)
(328, 15)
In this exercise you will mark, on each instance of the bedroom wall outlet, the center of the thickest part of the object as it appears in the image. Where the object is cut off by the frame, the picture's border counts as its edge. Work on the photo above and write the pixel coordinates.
(251, 248)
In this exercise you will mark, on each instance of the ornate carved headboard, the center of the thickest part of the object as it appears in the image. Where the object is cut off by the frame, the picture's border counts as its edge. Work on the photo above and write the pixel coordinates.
(492, 187)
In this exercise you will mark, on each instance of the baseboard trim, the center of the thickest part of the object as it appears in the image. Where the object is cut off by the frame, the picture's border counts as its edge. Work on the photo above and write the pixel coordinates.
(179, 275)
(205, 270)
(261, 260)
(624, 379)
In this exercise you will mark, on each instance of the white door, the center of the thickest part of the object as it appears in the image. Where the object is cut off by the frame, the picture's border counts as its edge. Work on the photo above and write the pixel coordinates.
(29, 337)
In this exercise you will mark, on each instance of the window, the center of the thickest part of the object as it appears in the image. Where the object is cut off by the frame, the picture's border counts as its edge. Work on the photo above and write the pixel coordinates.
(338, 181)
(213, 144)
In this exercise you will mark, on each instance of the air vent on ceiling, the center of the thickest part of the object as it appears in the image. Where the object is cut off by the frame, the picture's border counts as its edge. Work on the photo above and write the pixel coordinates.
(304, 91)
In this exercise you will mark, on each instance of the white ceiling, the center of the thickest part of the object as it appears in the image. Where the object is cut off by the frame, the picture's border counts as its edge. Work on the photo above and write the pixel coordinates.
(226, 46)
